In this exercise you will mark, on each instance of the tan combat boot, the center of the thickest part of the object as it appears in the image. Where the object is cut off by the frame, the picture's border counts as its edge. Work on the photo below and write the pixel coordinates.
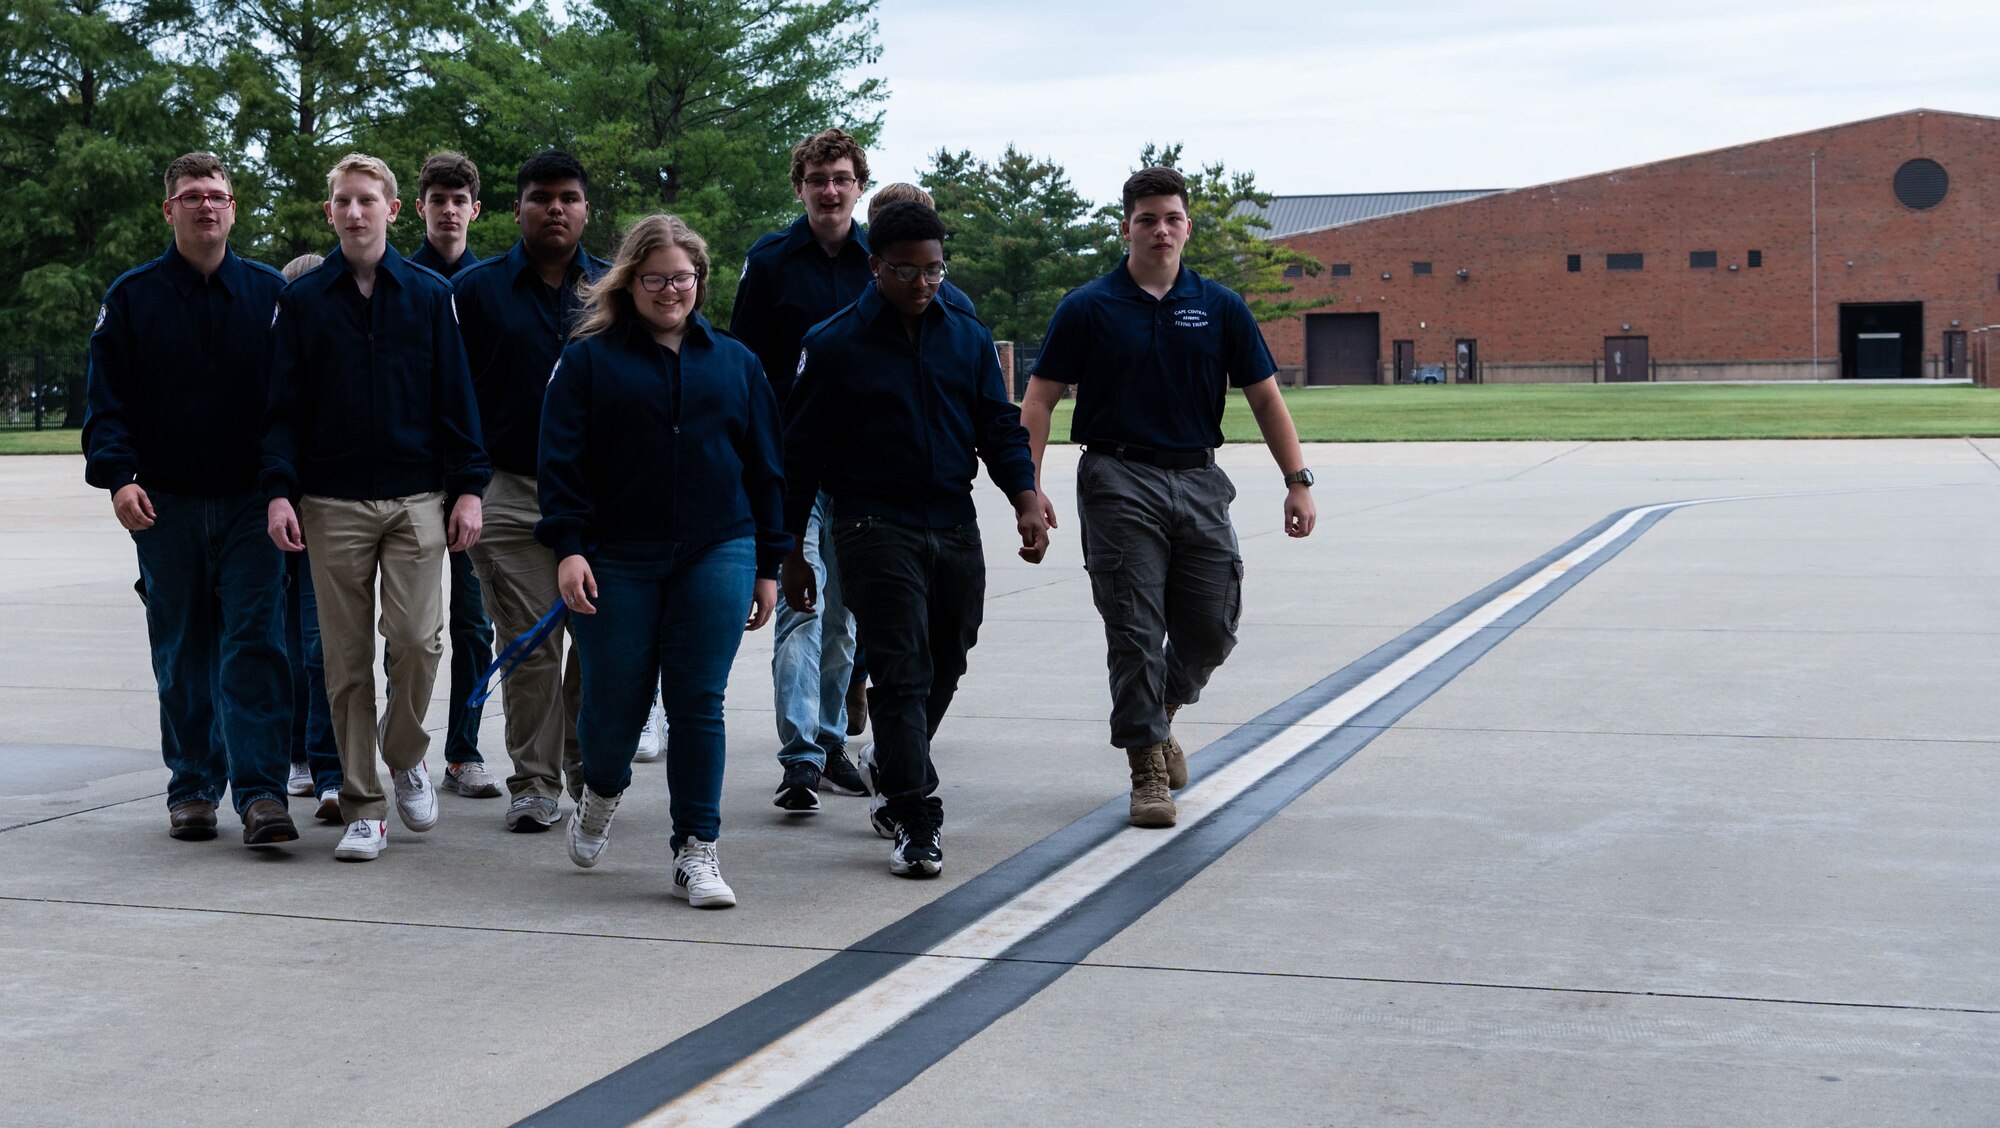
(1176, 755)
(1152, 802)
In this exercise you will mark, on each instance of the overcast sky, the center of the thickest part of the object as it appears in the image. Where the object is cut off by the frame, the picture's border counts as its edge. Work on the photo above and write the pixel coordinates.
(1367, 96)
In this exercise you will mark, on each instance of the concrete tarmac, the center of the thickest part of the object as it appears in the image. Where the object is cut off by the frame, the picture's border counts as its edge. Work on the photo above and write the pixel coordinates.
(1708, 841)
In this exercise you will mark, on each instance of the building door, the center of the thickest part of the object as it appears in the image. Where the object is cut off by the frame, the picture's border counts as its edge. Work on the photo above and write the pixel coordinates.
(1954, 355)
(1343, 348)
(1406, 361)
(1881, 340)
(1468, 361)
(1625, 360)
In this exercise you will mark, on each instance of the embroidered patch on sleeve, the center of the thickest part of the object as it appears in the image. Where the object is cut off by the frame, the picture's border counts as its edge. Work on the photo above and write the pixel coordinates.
(101, 310)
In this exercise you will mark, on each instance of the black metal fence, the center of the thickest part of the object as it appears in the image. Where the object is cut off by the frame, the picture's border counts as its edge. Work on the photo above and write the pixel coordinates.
(42, 389)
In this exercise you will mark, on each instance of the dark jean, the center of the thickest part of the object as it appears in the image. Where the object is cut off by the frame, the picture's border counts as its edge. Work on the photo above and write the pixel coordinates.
(1167, 580)
(669, 617)
(918, 597)
(312, 721)
(214, 615)
(471, 654)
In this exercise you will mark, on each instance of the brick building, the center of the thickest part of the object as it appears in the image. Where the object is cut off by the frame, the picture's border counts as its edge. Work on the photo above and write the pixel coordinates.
(1863, 250)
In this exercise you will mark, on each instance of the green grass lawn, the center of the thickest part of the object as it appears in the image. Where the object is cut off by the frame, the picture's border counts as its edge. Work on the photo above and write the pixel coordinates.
(52, 441)
(1623, 411)
(1555, 411)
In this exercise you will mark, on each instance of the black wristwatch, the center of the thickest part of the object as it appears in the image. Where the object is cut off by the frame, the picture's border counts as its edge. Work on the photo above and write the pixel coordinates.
(1300, 478)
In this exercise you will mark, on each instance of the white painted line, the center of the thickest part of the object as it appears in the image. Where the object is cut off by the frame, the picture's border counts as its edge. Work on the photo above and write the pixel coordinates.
(764, 1078)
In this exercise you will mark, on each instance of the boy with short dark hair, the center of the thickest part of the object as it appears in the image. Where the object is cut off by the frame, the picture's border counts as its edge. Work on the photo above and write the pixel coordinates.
(1152, 349)
(180, 364)
(899, 399)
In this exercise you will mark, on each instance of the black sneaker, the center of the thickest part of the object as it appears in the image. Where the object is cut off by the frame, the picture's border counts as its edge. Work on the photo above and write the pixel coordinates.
(840, 776)
(919, 849)
(796, 792)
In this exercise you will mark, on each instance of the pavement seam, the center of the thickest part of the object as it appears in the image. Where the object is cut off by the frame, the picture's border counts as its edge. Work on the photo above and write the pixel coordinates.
(1089, 965)
(84, 811)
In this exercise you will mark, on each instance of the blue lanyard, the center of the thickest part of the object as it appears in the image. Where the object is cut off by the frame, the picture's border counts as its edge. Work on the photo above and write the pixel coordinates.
(517, 652)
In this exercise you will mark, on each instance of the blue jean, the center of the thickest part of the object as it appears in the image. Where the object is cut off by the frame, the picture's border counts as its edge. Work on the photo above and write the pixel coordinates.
(811, 658)
(471, 652)
(669, 619)
(312, 722)
(214, 616)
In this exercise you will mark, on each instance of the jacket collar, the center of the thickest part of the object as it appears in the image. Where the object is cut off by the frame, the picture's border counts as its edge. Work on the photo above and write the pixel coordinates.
(393, 266)
(800, 236)
(520, 265)
(228, 275)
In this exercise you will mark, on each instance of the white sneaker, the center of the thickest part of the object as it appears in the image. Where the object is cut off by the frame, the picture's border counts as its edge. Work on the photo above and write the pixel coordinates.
(364, 840)
(590, 827)
(300, 781)
(653, 737)
(878, 814)
(416, 799)
(698, 877)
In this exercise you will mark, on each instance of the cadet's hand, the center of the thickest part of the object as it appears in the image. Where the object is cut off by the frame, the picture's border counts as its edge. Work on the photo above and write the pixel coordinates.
(763, 601)
(281, 521)
(466, 517)
(1033, 517)
(1300, 516)
(577, 585)
(801, 586)
(132, 507)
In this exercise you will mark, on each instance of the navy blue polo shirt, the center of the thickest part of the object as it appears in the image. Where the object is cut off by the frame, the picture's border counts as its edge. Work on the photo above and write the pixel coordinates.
(643, 448)
(790, 285)
(515, 326)
(1152, 372)
(179, 370)
(370, 398)
(428, 256)
(896, 428)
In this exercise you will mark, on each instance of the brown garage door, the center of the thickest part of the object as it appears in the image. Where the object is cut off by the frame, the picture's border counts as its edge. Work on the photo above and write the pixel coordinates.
(1343, 348)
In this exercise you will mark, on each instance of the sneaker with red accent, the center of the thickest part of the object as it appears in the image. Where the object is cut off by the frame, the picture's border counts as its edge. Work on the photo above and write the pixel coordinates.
(364, 841)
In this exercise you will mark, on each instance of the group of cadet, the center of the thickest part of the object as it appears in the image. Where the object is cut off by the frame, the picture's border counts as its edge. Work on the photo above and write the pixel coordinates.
(297, 455)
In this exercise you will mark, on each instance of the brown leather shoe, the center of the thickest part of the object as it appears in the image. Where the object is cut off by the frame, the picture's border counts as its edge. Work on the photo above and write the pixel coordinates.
(857, 707)
(267, 823)
(192, 821)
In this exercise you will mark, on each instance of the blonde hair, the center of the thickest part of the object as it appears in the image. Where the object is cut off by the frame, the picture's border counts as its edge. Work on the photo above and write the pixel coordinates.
(608, 300)
(900, 192)
(367, 166)
(300, 265)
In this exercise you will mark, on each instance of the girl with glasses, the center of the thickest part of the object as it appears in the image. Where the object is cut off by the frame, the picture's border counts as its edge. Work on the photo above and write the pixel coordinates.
(661, 497)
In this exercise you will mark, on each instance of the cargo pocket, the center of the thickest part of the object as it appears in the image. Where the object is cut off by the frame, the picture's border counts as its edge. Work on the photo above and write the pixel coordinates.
(1108, 586)
(1232, 601)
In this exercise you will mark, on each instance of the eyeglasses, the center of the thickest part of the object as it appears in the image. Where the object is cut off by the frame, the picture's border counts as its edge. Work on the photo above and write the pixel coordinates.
(819, 183)
(189, 201)
(912, 273)
(682, 282)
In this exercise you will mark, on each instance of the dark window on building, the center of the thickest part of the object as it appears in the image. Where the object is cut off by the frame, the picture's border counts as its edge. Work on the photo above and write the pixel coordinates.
(1756, 259)
(1420, 268)
(1921, 184)
(1630, 260)
(1576, 264)
(1701, 260)
(1295, 271)
(1341, 269)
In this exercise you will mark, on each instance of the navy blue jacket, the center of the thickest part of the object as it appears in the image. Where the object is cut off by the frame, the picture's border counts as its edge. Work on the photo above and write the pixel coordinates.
(642, 448)
(370, 398)
(515, 328)
(1152, 372)
(179, 370)
(895, 428)
(788, 286)
(427, 255)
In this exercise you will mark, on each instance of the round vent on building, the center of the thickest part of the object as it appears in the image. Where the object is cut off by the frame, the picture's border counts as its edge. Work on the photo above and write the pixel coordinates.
(1921, 184)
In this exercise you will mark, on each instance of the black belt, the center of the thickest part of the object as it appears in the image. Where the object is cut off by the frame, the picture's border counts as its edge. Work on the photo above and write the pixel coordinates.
(1164, 459)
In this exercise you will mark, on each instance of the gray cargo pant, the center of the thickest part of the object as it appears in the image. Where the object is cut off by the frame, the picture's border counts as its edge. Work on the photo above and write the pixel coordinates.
(1167, 579)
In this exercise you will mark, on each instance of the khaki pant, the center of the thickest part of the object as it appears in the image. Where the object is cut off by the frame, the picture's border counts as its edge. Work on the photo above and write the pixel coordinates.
(517, 576)
(349, 545)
